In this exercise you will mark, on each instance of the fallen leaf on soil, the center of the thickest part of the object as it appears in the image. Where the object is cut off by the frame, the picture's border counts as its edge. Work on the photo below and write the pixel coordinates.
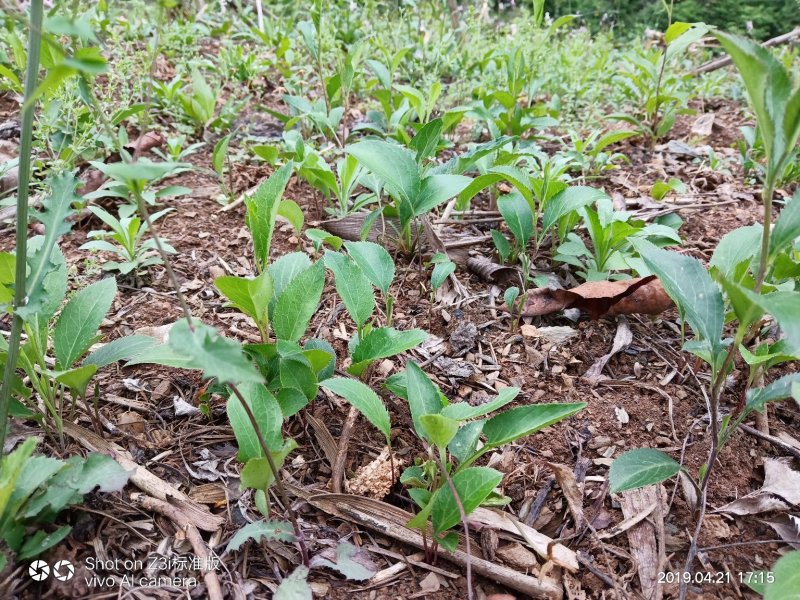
(146, 141)
(556, 334)
(703, 125)
(781, 485)
(788, 527)
(183, 408)
(352, 562)
(572, 492)
(644, 295)
(518, 556)
(492, 272)
(375, 479)
(430, 583)
(622, 339)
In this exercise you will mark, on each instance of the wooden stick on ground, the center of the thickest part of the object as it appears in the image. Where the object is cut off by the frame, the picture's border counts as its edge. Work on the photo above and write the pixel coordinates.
(725, 61)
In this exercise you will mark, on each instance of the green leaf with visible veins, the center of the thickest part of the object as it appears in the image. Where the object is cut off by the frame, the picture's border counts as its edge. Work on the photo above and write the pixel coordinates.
(690, 286)
(298, 303)
(525, 420)
(262, 210)
(217, 356)
(364, 399)
(391, 163)
(268, 416)
(280, 531)
(353, 286)
(423, 396)
(295, 586)
(375, 261)
(76, 328)
(639, 468)
(382, 343)
(473, 486)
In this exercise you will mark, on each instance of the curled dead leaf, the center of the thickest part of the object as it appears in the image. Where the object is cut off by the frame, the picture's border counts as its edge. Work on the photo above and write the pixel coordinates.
(643, 295)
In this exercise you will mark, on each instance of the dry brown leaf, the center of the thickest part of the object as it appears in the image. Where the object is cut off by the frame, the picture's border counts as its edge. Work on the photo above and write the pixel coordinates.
(622, 339)
(572, 492)
(376, 479)
(492, 272)
(518, 556)
(788, 527)
(781, 485)
(644, 295)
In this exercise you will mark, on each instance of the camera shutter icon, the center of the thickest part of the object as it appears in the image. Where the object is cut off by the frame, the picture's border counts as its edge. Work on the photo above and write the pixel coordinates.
(63, 570)
(39, 570)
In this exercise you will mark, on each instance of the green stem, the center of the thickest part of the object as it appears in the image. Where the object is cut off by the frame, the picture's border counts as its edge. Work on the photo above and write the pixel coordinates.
(766, 198)
(20, 297)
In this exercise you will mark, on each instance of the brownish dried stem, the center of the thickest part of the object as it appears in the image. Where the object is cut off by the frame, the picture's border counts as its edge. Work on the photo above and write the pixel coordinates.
(337, 474)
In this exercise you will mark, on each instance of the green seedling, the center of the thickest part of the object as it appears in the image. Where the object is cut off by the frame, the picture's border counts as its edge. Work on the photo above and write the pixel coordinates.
(127, 241)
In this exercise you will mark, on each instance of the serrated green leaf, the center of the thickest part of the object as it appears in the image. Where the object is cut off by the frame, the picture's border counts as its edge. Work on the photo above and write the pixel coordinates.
(364, 399)
(262, 210)
(640, 468)
(384, 342)
(280, 531)
(295, 586)
(567, 201)
(298, 303)
(391, 163)
(690, 287)
(525, 420)
(217, 356)
(268, 416)
(473, 485)
(76, 328)
(423, 396)
(353, 287)
(257, 473)
(780, 389)
(375, 262)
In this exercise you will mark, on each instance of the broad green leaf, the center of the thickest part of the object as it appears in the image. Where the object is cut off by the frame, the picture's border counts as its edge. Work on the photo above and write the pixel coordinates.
(465, 442)
(384, 342)
(35, 471)
(298, 303)
(262, 210)
(162, 354)
(77, 379)
(463, 411)
(291, 211)
(391, 163)
(525, 420)
(780, 389)
(768, 87)
(741, 301)
(76, 328)
(348, 562)
(285, 269)
(427, 139)
(441, 271)
(690, 287)
(436, 189)
(43, 285)
(639, 468)
(295, 586)
(220, 154)
(135, 175)
(375, 261)
(267, 414)
(518, 216)
(364, 399)
(251, 296)
(120, 349)
(423, 396)
(787, 227)
(257, 473)
(510, 296)
(735, 247)
(295, 371)
(439, 430)
(473, 485)
(217, 356)
(785, 307)
(270, 531)
(786, 582)
(326, 370)
(353, 287)
(567, 201)
(291, 400)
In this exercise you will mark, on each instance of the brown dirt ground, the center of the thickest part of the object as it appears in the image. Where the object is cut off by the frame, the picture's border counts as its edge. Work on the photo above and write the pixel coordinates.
(652, 381)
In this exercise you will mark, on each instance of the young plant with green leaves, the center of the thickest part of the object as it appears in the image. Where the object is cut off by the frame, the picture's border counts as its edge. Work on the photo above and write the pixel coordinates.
(127, 241)
(34, 490)
(612, 234)
(451, 434)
